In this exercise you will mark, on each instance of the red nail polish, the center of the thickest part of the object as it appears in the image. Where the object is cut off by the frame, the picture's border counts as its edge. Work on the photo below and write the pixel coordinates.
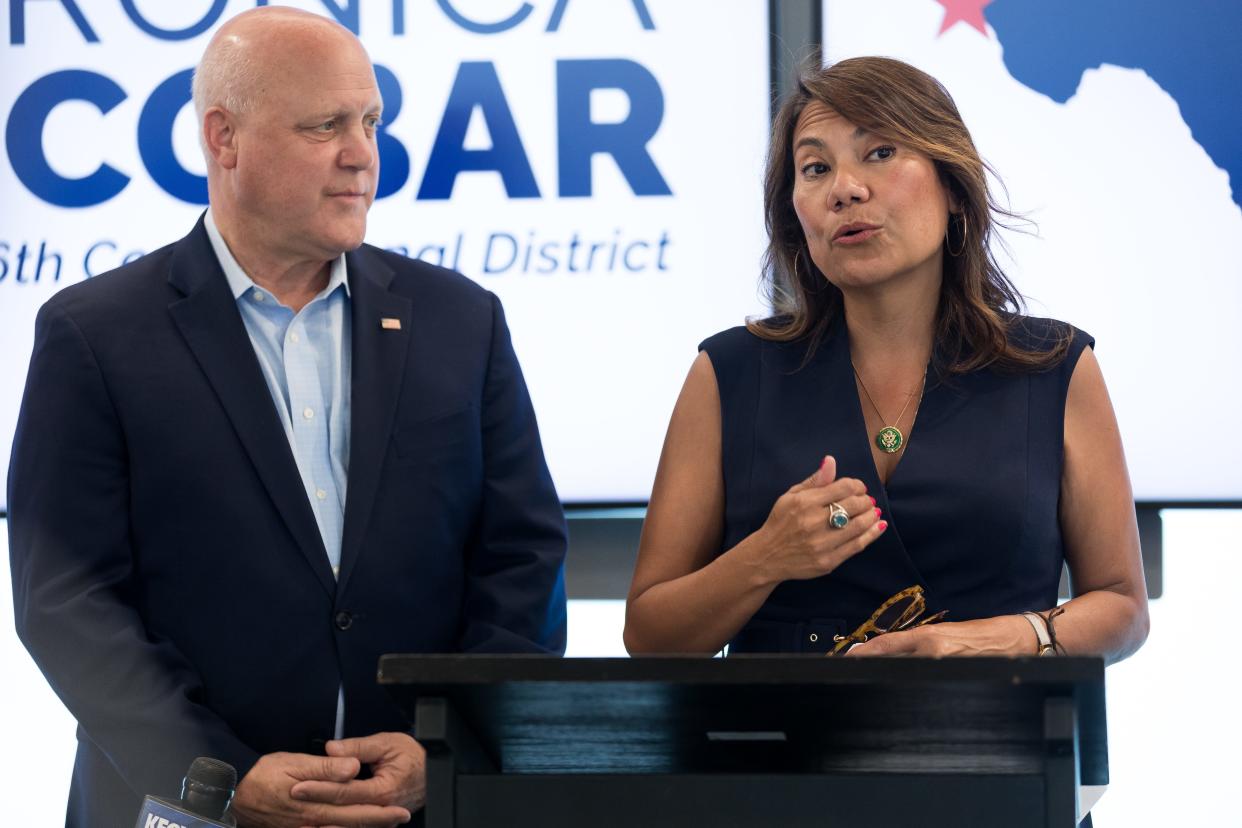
(883, 525)
(872, 500)
(878, 512)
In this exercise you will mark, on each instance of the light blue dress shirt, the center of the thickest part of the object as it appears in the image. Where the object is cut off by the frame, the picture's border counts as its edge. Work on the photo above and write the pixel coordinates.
(305, 358)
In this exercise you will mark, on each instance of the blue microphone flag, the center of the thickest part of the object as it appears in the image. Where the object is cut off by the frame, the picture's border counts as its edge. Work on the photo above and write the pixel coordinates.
(162, 813)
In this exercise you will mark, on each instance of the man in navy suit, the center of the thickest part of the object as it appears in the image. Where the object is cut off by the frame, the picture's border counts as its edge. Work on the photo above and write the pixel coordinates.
(251, 462)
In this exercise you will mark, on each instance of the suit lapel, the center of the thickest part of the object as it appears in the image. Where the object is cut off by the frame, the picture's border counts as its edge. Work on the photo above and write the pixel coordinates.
(381, 328)
(208, 318)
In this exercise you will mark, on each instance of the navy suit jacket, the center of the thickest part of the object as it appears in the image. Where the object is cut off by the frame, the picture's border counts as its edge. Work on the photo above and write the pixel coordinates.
(168, 573)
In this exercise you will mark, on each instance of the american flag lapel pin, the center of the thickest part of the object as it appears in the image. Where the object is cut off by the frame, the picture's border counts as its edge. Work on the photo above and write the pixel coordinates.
(388, 323)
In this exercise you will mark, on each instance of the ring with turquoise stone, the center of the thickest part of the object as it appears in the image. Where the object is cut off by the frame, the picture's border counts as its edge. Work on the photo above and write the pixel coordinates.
(889, 440)
(838, 518)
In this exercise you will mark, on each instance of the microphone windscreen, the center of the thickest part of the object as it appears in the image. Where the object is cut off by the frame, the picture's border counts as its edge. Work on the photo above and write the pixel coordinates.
(213, 773)
(208, 788)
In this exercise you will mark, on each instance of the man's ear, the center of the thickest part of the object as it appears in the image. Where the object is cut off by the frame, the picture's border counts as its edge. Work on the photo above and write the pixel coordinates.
(220, 137)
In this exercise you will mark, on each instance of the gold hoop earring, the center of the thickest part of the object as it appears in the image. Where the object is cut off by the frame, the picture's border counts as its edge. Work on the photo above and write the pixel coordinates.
(948, 246)
(797, 253)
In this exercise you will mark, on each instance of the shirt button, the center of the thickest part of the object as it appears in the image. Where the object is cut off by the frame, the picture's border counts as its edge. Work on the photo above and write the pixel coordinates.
(293, 338)
(308, 412)
(258, 295)
(344, 620)
(320, 493)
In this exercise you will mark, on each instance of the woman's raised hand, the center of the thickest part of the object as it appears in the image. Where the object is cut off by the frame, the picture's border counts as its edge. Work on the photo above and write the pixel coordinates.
(799, 541)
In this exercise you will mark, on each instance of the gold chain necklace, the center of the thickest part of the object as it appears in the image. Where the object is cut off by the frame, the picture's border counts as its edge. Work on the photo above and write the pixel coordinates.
(889, 439)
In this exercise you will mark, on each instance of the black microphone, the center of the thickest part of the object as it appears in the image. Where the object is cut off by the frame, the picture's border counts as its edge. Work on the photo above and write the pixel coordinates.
(208, 786)
(206, 793)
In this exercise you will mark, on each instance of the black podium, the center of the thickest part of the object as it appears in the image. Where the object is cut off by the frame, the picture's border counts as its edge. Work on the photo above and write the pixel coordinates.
(754, 740)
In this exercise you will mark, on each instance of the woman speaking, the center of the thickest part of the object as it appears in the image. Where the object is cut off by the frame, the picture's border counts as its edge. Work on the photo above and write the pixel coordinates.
(897, 444)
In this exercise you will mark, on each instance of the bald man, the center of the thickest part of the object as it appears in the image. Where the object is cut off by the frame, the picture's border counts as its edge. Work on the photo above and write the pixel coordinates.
(253, 461)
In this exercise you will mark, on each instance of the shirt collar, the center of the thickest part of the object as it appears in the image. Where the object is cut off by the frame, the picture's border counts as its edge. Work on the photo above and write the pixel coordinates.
(239, 282)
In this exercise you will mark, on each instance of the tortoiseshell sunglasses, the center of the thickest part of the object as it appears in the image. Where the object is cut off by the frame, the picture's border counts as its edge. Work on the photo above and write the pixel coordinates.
(900, 612)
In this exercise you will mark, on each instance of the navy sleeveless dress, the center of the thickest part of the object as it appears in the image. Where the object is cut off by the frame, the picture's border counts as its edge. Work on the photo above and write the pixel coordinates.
(971, 506)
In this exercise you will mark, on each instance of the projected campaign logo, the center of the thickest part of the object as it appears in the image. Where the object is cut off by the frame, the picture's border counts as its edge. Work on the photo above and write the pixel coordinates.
(596, 163)
(1112, 126)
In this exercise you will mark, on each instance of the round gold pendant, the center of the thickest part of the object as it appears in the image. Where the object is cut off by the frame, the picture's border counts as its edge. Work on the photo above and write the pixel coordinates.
(889, 440)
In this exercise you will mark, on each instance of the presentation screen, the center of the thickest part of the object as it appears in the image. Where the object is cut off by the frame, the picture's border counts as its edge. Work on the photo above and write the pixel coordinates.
(596, 163)
(1116, 138)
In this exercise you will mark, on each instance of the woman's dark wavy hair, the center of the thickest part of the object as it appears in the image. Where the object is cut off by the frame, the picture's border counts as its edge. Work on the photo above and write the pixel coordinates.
(978, 304)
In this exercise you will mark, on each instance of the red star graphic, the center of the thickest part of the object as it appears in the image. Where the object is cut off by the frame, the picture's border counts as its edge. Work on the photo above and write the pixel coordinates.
(965, 11)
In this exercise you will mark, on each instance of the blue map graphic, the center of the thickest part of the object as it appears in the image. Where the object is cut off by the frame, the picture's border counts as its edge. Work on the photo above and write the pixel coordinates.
(1191, 48)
